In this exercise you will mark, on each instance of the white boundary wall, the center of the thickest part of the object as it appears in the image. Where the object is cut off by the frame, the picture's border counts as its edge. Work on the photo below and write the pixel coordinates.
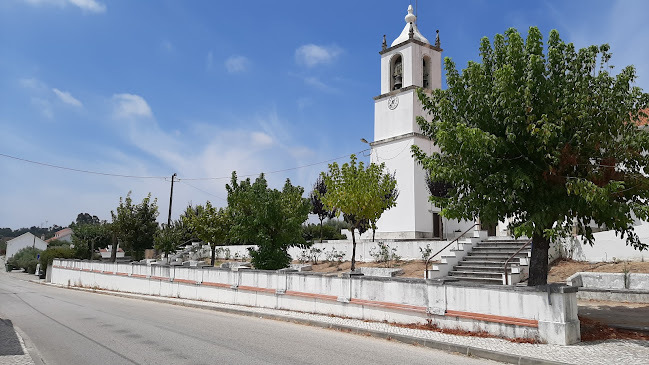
(546, 313)
(407, 250)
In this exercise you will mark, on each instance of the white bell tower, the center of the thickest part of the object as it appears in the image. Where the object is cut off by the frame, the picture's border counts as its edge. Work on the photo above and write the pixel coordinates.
(411, 62)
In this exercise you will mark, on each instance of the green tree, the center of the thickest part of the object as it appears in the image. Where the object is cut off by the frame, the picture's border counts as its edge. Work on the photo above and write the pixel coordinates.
(317, 206)
(210, 225)
(135, 225)
(168, 238)
(88, 237)
(549, 140)
(85, 218)
(361, 194)
(268, 218)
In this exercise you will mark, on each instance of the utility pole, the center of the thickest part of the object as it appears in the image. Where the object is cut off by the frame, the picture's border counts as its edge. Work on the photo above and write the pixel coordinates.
(171, 198)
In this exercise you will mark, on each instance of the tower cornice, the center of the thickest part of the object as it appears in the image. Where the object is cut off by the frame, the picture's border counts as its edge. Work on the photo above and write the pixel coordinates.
(415, 41)
(400, 91)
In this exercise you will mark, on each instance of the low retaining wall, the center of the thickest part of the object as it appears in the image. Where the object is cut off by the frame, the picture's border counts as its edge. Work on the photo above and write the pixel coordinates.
(622, 287)
(547, 313)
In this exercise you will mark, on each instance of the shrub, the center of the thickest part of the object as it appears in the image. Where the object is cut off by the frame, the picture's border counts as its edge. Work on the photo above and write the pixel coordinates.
(385, 254)
(56, 252)
(25, 259)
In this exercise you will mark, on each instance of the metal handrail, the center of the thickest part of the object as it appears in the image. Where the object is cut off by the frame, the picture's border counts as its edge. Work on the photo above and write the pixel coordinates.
(445, 247)
(511, 257)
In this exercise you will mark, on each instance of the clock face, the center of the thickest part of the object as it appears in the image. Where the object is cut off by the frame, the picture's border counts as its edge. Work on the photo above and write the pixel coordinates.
(393, 102)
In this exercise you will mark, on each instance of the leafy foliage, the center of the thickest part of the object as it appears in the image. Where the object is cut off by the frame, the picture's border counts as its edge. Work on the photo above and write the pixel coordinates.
(549, 140)
(135, 225)
(56, 252)
(327, 231)
(210, 225)
(25, 259)
(361, 194)
(85, 218)
(269, 218)
(88, 237)
(167, 239)
(317, 206)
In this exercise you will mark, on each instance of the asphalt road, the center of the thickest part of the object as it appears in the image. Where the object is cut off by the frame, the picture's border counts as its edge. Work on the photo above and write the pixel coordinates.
(73, 327)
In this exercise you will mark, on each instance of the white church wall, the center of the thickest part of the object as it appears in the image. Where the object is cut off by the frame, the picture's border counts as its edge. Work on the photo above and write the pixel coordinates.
(397, 122)
(401, 218)
(609, 247)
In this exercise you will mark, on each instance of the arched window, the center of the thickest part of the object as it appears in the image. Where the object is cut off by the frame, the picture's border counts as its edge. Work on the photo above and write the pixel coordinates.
(425, 82)
(396, 73)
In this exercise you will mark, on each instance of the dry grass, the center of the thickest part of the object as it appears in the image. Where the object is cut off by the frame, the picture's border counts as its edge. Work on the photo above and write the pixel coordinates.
(563, 269)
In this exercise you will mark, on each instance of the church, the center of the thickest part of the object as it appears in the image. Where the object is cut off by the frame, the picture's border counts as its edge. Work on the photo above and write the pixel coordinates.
(409, 63)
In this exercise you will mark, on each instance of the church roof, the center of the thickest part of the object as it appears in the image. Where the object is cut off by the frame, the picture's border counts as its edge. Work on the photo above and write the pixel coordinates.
(405, 34)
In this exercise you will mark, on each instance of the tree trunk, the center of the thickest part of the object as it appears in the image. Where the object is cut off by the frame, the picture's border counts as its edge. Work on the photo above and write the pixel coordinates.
(353, 268)
(113, 253)
(321, 230)
(92, 248)
(539, 260)
(213, 254)
(373, 233)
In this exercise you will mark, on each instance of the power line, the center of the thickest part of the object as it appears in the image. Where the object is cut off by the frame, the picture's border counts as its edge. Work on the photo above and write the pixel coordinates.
(275, 171)
(80, 170)
(201, 190)
(178, 179)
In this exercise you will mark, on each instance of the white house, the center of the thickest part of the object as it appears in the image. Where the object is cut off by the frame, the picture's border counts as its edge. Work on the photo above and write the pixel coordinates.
(22, 241)
(63, 235)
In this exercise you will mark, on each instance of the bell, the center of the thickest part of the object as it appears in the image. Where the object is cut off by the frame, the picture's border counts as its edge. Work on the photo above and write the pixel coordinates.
(397, 82)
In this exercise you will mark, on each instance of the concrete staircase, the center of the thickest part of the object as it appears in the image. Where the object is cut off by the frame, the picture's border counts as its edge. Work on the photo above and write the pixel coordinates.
(484, 263)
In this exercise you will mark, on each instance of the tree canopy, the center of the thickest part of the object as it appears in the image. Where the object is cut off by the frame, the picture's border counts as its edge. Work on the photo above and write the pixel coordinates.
(361, 194)
(136, 225)
(210, 225)
(269, 218)
(544, 135)
(317, 206)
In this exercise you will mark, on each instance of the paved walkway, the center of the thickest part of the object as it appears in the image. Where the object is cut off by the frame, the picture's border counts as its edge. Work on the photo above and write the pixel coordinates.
(608, 352)
(12, 346)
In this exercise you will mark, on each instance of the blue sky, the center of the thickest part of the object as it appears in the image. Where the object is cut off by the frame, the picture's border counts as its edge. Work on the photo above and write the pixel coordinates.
(202, 88)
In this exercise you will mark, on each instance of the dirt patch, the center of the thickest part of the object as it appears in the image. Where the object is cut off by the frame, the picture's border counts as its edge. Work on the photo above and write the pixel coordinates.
(593, 330)
(411, 269)
(563, 269)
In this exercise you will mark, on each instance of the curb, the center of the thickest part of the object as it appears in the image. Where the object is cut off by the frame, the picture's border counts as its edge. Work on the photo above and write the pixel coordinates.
(438, 345)
(32, 351)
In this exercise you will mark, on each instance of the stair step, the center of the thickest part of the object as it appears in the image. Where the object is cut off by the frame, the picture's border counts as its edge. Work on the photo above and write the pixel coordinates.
(471, 278)
(494, 256)
(475, 273)
(485, 268)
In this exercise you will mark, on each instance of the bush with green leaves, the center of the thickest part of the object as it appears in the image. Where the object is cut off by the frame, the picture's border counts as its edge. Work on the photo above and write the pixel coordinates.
(56, 252)
(425, 252)
(383, 253)
(25, 259)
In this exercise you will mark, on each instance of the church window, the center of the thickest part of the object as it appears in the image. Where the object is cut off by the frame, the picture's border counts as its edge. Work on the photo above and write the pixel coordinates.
(425, 82)
(396, 79)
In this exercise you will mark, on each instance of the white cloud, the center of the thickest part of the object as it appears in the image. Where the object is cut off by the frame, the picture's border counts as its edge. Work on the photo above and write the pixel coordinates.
(90, 6)
(311, 55)
(261, 139)
(131, 105)
(67, 98)
(236, 64)
(33, 84)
